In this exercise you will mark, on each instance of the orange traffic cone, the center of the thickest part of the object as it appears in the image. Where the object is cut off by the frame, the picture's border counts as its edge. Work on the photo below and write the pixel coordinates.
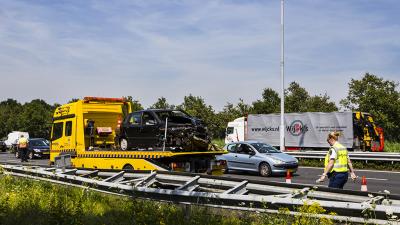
(364, 184)
(288, 177)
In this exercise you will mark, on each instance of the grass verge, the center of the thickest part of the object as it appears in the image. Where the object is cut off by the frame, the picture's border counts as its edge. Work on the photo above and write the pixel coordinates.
(392, 146)
(24, 201)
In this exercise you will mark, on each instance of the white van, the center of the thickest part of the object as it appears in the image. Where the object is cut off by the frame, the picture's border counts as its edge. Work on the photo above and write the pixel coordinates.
(12, 138)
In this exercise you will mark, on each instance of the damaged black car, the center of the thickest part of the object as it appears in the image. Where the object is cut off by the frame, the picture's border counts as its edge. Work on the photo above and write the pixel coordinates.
(155, 129)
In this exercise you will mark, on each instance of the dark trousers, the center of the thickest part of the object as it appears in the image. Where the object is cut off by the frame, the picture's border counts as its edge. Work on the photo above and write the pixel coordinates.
(23, 152)
(338, 180)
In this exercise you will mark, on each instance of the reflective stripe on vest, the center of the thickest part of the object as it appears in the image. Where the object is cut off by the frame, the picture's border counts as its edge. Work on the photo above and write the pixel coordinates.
(340, 164)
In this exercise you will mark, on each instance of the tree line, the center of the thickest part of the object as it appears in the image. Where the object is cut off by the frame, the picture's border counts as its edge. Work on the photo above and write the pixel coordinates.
(370, 94)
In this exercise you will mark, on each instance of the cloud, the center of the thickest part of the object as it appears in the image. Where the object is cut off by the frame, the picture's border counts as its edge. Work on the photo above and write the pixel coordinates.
(220, 50)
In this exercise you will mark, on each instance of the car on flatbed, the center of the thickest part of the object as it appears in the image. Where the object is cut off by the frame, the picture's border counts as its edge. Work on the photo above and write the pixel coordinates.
(147, 129)
(255, 156)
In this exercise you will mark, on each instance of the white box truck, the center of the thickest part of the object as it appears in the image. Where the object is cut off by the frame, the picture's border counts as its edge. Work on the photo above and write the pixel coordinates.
(309, 130)
(12, 138)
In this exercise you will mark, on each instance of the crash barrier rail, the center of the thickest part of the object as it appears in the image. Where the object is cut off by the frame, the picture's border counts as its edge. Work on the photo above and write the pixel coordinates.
(222, 192)
(359, 156)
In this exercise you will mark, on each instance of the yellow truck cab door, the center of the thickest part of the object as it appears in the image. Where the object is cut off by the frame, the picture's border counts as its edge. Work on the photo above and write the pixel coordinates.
(57, 143)
(69, 135)
(63, 136)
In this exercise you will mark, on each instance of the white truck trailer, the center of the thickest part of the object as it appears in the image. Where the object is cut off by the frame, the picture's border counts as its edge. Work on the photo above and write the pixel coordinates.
(309, 130)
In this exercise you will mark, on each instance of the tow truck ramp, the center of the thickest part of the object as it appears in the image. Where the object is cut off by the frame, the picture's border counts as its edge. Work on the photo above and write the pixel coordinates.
(221, 192)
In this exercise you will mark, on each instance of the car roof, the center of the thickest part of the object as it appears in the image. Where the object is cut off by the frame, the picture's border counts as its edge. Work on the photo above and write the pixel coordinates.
(248, 142)
(37, 139)
(157, 110)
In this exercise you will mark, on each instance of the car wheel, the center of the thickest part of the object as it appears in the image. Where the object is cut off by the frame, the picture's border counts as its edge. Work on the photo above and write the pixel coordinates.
(128, 167)
(265, 169)
(124, 144)
(17, 154)
(226, 171)
(30, 155)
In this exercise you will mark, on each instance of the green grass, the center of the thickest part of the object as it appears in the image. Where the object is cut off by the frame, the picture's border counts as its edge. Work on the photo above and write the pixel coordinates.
(392, 146)
(25, 201)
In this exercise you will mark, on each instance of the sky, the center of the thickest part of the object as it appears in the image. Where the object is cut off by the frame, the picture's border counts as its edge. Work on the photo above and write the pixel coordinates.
(219, 50)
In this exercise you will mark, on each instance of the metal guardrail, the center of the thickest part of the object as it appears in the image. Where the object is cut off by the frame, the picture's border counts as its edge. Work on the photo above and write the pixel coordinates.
(219, 191)
(358, 156)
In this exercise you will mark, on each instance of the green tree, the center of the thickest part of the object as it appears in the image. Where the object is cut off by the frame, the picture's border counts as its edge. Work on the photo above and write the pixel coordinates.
(229, 113)
(9, 114)
(136, 105)
(196, 107)
(36, 118)
(269, 103)
(319, 103)
(379, 97)
(162, 104)
(296, 98)
(73, 100)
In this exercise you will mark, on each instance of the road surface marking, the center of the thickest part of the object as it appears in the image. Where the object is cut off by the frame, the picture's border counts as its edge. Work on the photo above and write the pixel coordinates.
(375, 171)
(368, 178)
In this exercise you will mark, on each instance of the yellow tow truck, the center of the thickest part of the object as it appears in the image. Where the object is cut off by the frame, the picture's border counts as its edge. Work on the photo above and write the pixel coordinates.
(88, 132)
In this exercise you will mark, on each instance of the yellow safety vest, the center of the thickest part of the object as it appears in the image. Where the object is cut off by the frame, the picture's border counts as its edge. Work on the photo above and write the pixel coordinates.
(22, 142)
(340, 164)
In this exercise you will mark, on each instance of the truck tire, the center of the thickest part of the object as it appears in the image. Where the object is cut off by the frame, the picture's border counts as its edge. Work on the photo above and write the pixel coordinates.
(128, 167)
(265, 169)
(123, 143)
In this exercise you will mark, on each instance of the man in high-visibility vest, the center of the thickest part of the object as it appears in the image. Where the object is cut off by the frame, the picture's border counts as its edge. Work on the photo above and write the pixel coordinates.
(337, 163)
(23, 148)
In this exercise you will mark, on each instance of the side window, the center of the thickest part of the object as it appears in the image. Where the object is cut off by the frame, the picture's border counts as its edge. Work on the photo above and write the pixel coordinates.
(231, 148)
(229, 130)
(148, 119)
(135, 119)
(57, 130)
(244, 149)
(68, 128)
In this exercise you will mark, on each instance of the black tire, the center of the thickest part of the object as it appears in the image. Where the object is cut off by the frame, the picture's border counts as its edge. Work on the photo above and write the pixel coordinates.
(265, 169)
(226, 171)
(128, 167)
(123, 143)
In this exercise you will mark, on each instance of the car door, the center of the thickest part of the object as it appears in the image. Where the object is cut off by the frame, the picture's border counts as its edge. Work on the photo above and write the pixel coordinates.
(230, 156)
(245, 157)
(132, 129)
(149, 130)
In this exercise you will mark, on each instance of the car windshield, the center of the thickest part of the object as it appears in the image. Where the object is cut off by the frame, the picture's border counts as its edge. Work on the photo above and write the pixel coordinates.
(174, 116)
(265, 148)
(38, 143)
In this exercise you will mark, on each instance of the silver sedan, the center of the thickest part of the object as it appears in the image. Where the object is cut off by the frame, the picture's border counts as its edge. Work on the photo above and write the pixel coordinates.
(258, 157)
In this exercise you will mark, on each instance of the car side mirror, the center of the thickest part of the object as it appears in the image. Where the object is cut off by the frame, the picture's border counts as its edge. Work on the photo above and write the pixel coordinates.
(252, 153)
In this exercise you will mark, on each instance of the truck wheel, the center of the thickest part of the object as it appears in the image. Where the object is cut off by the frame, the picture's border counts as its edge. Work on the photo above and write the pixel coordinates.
(124, 144)
(265, 169)
(128, 167)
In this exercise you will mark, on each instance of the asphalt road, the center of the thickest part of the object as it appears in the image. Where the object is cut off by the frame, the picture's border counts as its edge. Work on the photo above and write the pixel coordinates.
(376, 180)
